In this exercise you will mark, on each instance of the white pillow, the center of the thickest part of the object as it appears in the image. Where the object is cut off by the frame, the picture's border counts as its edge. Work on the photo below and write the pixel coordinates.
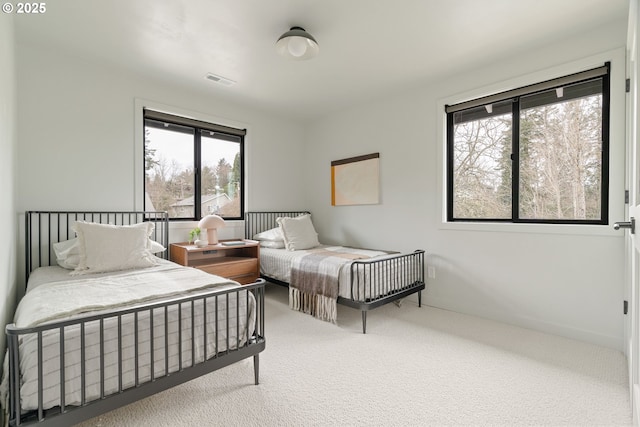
(155, 247)
(272, 234)
(272, 238)
(105, 247)
(272, 244)
(68, 252)
(298, 232)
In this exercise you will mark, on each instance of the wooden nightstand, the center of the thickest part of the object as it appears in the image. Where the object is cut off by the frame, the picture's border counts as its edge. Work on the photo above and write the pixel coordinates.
(240, 263)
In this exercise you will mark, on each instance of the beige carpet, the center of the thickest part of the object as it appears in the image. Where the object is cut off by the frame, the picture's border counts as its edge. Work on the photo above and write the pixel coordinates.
(415, 366)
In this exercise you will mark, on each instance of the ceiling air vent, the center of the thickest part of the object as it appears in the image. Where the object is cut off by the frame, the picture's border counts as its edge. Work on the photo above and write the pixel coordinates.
(219, 79)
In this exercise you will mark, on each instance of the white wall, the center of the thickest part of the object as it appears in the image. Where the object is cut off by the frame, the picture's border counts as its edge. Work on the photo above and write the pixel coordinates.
(8, 216)
(77, 136)
(555, 280)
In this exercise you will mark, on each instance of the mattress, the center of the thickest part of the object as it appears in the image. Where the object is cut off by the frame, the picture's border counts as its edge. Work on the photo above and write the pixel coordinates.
(232, 315)
(367, 283)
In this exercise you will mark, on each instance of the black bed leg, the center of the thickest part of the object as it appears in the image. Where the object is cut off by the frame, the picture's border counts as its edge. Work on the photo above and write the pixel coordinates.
(256, 368)
(419, 298)
(364, 322)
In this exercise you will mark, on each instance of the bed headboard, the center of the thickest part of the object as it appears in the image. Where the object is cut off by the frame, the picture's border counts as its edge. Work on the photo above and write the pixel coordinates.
(256, 222)
(44, 228)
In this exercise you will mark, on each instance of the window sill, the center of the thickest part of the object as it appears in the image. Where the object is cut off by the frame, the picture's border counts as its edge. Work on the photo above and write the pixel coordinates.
(569, 229)
(179, 230)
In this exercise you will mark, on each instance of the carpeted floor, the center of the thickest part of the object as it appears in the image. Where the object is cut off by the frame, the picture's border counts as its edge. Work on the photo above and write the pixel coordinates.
(415, 366)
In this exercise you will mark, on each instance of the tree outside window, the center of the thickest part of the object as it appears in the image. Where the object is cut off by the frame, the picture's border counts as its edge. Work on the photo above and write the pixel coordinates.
(532, 157)
(192, 171)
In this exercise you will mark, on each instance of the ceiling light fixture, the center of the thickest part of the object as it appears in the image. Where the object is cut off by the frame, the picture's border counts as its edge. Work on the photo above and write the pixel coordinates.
(297, 44)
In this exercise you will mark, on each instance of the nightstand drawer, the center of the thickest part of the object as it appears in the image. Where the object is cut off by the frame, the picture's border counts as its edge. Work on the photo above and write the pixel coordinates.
(233, 269)
(239, 262)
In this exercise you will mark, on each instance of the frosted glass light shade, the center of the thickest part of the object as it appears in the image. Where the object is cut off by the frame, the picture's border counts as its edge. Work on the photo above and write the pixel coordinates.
(297, 44)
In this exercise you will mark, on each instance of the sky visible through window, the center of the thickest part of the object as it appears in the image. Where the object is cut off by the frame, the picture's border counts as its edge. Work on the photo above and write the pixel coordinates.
(179, 147)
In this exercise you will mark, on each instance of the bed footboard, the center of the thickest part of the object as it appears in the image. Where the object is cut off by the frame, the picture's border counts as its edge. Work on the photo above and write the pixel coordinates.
(380, 281)
(95, 363)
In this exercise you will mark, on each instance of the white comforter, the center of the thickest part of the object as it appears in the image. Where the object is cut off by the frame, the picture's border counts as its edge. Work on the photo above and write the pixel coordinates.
(68, 297)
(64, 298)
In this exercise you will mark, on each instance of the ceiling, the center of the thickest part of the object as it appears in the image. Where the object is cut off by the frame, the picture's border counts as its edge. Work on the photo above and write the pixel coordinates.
(368, 48)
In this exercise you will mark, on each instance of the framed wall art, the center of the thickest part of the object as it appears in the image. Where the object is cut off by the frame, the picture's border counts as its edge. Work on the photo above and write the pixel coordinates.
(356, 180)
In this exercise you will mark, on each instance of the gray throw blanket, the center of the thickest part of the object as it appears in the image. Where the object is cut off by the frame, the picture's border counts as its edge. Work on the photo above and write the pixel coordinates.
(313, 288)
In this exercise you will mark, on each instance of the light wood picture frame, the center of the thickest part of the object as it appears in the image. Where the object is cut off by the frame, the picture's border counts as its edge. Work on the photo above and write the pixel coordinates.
(356, 180)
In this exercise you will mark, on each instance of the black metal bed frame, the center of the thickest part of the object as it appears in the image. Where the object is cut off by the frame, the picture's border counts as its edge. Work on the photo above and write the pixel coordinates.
(404, 273)
(45, 228)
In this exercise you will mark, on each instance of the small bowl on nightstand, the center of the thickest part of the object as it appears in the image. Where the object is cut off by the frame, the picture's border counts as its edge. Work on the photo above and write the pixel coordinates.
(201, 243)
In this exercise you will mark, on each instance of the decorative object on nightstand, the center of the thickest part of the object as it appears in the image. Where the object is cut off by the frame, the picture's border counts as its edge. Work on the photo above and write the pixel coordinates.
(211, 223)
(194, 235)
(238, 261)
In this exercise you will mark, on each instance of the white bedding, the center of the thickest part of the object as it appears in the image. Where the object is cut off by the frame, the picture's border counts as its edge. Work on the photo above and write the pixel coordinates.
(52, 287)
(276, 263)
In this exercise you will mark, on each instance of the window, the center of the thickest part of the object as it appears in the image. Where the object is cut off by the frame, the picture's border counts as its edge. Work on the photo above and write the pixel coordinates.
(536, 154)
(192, 168)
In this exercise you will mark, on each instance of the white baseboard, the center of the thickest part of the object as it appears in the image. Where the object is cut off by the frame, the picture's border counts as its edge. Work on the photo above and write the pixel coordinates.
(616, 343)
